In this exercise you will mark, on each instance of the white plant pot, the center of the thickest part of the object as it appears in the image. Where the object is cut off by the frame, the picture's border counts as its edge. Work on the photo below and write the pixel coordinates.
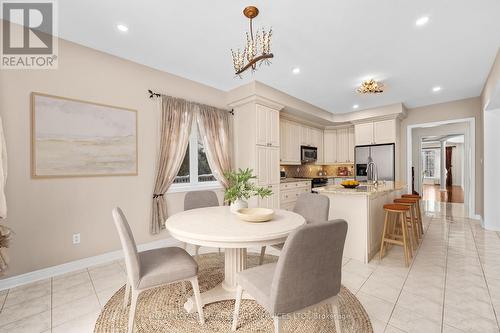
(237, 205)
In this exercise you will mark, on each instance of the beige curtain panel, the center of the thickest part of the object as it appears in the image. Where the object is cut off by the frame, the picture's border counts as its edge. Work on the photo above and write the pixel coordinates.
(213, 125)
(175, 126)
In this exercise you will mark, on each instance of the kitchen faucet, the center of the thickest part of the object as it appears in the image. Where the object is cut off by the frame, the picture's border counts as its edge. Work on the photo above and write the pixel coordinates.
(371, 171)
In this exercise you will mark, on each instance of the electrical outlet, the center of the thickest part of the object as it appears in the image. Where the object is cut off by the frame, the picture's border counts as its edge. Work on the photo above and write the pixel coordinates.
(76, 239)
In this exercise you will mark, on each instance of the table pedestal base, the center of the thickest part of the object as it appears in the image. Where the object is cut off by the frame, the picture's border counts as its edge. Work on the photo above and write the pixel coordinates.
(234, 262)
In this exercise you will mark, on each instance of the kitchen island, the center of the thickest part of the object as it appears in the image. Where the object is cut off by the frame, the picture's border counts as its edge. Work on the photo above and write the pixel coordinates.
(362, 208)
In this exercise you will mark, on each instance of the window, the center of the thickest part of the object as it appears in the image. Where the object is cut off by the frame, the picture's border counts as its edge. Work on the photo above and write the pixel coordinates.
(194, 171)
(431, 162)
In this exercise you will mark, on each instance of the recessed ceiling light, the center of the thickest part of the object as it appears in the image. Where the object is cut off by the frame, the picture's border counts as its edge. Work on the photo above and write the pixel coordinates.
(436, 89)
(296, 70)
(122, 27)
(422, 21)
(355, 106)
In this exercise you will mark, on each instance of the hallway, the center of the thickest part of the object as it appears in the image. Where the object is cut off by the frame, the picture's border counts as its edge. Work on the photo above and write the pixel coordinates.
(453, 194)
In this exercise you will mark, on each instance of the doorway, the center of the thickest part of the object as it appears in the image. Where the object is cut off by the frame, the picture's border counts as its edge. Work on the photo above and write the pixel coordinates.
(441, 161)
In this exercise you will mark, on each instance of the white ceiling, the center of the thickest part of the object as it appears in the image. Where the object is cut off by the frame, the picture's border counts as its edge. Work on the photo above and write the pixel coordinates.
(335, 43)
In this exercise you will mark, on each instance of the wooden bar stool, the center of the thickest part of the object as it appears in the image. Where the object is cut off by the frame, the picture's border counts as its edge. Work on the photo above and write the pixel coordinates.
(390, 234)
(412, 219)
(419, 211)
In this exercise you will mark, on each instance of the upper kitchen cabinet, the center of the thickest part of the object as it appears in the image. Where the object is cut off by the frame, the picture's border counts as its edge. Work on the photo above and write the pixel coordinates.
(306, 135)
(330, 146)
(377, 132)
(317, 141)
(351, 143)
(268, 126)
(289, 142)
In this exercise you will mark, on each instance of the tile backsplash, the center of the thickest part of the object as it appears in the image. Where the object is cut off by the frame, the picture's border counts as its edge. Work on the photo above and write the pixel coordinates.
(311, 170)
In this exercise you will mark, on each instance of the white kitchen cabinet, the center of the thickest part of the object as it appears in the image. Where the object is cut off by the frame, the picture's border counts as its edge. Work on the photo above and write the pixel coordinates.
(305, 136)
(351, 145)
(289, 142)
(267, 126)
(317, 141)
(377, 132)
(272, 201)
(267, 162)
(363, 134)
(330, 146)
(384, 131)
(342, 145)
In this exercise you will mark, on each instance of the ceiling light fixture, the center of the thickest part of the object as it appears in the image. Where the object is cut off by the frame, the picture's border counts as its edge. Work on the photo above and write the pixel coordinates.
(355, 106)
(422, 21)
(122, 27)
(370, 87)
(257, 48)
(436, 89)
(296, 70)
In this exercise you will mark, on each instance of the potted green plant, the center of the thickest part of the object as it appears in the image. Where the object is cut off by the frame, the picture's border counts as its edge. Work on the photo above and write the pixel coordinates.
(241, 188)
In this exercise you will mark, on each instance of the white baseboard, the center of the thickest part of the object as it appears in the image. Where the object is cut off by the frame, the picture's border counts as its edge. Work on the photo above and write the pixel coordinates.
(72, 266)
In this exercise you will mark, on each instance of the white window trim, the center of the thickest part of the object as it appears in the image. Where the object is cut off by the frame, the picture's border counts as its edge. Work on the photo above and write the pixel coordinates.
(194, 185)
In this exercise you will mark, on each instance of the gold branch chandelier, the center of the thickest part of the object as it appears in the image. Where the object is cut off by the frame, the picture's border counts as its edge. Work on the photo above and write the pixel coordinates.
(257, 48)
(370, 87)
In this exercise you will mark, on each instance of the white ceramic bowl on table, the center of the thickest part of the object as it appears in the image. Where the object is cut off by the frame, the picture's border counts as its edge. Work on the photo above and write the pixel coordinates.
(255, 214)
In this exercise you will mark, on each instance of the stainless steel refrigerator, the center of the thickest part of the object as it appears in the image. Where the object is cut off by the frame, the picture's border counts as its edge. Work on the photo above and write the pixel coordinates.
(382, 155)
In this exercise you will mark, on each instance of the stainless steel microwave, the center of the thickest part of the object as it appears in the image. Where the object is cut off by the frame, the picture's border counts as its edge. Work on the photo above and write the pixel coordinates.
(308, 154)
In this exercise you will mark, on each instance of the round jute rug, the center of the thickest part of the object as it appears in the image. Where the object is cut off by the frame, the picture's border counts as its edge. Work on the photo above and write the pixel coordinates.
(161, 309)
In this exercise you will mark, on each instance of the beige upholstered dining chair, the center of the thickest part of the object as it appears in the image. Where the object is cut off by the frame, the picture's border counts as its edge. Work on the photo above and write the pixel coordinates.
(307, 274)
(200, 199)
(313, 208)
(153, 268)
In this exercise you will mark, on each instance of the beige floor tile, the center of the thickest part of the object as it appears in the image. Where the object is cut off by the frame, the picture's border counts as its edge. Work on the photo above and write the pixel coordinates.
(353, 281)
(468, 321)
(380, 289)
(25, 309)
(451, 329)
(106, 270)
(83, 324)
(34, 324)
(428, 308)
(73, 310)
(105, 295)
(392, 329)
(22, 294)
(116, 281)
(411, 321)
(376, 308)
(378, 326)
(70, 280)
(64, 296)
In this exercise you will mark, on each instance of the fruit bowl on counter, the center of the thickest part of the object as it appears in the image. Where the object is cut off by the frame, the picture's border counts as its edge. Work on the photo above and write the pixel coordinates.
(350, 183)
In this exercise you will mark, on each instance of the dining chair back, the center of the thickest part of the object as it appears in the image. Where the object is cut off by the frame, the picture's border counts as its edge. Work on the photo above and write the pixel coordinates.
(313, 207)
(129, 246)
(200, 199)
(309, 267)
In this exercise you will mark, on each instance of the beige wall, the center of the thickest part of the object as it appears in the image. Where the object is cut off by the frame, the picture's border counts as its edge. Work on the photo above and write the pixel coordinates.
(492, 81)
(44, 213)
(465, 108)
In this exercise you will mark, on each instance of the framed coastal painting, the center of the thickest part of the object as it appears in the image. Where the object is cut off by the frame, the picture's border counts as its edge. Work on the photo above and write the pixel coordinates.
(73, 138)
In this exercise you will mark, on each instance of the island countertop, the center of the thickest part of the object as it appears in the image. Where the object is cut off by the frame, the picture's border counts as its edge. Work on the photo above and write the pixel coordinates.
(362, 189)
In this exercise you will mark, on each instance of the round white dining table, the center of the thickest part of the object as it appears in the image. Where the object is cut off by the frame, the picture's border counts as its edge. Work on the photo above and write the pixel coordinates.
(218, 227)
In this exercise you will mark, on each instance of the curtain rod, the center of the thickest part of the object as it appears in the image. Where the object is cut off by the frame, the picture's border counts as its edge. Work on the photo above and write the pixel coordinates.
(153, 94)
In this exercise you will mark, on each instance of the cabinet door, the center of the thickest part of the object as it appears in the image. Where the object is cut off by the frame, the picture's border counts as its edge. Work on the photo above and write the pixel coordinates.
(294, 142)
(284, 144)
(261, 125)
(363, 134)
(305, 136)
(273, 127)
(342, 145)
(273, 165)
(330, 146)
(384, 131)
(272, 201)
(317, 141)
(351, 144)
(262, 163)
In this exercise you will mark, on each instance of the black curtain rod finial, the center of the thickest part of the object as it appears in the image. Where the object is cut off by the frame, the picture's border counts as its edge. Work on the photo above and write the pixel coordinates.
(153, 94)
